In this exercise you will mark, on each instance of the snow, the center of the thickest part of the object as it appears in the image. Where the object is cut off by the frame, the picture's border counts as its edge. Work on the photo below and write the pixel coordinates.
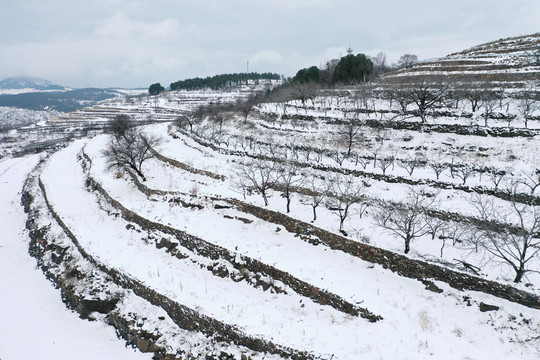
(427, 324)
(417, 324)
(34, 323)
(454, 201)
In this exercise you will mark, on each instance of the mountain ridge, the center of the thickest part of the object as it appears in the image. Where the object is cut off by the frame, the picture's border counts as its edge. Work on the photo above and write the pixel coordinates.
(21, 84)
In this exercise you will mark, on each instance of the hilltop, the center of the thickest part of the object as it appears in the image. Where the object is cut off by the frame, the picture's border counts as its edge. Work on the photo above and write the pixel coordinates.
(508, 62)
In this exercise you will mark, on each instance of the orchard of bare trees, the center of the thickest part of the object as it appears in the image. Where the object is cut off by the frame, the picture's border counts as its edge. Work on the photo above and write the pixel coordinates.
(333, 151)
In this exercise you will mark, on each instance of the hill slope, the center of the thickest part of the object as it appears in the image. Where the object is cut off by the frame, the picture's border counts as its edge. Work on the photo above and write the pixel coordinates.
(510, 61)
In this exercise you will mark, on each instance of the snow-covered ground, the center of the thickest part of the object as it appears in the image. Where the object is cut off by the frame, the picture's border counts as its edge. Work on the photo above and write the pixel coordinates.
(416, 323)
(359, 227)
(427, 324)
(34, 323)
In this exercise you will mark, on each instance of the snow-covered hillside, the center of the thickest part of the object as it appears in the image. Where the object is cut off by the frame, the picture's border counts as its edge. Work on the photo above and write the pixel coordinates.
(348, 224)
(34, 321)
(13, 118)
(511, 61)
(194, 243)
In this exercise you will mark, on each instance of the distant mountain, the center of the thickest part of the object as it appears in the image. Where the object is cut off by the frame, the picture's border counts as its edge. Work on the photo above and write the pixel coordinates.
(62, 101)
(18, 85)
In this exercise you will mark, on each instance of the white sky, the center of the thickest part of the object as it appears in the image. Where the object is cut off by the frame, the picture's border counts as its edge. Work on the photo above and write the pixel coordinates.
(133, 43)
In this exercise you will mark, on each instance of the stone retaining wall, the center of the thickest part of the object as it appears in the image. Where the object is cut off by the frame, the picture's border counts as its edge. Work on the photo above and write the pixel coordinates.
(400, 264)
(239, 262)
(60, 267)
(415, 269)
(183, 316)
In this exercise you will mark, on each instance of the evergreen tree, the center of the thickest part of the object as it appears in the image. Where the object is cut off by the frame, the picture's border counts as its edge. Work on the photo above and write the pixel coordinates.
(311, 74)
(155, 89)
(353, 69)
(220, 81)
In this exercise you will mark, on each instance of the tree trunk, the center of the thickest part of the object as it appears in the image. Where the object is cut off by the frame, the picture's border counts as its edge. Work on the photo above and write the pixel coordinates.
(407, 245)
(314, 213)
(139, 172)
(519, 273)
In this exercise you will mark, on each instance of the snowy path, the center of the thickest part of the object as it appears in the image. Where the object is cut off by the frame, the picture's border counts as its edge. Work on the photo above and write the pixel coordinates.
(34, 323)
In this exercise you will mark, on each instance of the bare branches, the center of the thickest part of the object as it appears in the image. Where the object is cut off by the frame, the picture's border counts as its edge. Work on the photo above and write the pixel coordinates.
(318, 189)
(288, 176)
(259, 175)
(130, 150)
(489, 102)
(120, 124)
(516, 248)
(426, 96)
(408, 221)
(345, 193)
(350, 133)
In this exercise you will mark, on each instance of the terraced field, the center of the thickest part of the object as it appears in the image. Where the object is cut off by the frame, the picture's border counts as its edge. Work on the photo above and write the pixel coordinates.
(184, 264)
(506, 61)
(343, 226)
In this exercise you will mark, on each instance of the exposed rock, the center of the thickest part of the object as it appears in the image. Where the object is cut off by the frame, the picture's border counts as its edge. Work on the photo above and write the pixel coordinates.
(486, 307)
(431, 286)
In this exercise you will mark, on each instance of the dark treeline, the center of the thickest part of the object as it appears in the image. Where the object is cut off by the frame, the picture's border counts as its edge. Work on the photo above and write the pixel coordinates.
(220, 81)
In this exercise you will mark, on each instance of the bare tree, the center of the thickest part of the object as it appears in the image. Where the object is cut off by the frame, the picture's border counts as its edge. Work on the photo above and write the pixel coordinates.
(407, 60)
(336, 154)
(303, 90)
(496, 177)
(411, 165)
(345, 192)
(130, 150)
(259, 175)
(527, 104)
(406, 221)
(472, 93)
(464, 172)
(120, 124)
(288, 176)
(187, 120)
(453, 231)
(362, 160)
(245, 106)
(318, 190)
(380, 65)
(426, 96)
(350, 133)
(385, 163)
(435, 225)
(489, 103)
(516, 247)
(532, 180)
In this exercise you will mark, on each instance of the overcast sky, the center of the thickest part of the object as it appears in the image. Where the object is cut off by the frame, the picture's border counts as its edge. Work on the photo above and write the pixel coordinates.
(132, 43)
